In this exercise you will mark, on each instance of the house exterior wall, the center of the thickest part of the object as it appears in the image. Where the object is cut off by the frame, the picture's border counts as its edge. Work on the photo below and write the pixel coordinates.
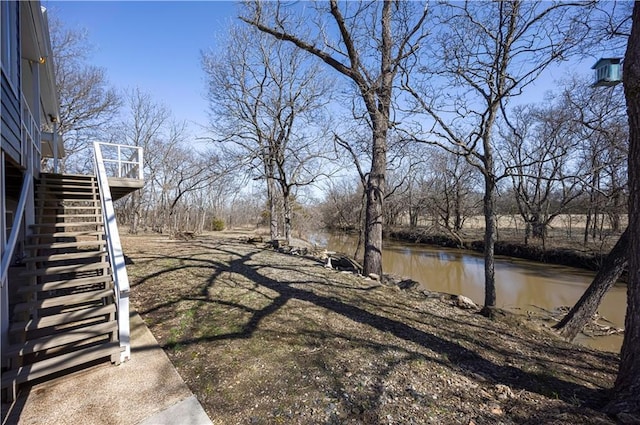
(11, 141)
(28, 104)
(10, 80)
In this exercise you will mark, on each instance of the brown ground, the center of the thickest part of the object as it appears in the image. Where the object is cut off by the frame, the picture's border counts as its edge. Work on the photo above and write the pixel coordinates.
(268, 338)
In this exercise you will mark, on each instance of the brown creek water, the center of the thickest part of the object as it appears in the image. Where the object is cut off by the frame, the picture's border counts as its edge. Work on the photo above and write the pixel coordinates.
(520, 285)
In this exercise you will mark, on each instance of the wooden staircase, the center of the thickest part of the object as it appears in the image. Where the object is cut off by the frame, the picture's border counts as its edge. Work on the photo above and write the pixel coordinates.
(67, 315)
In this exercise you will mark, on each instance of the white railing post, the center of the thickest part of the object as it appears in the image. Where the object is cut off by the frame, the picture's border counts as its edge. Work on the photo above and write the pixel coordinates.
(119, 162)
(56, 154)
(116, 256)
(140, 163)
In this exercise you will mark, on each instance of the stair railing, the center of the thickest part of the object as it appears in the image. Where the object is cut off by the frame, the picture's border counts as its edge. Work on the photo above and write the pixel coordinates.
(114, 247)
(7, 252)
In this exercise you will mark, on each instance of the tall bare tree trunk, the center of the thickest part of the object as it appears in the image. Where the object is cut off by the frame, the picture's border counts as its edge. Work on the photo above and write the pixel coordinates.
(376, 92)
(375, 197)
(361, 230)
(626, 391)
(490, 237)
(273, 208)
(491, 221)
(588, 304)
(286, 207)
(135, 208)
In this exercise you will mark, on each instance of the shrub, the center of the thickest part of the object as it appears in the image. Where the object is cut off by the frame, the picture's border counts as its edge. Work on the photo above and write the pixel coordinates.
(217, 224)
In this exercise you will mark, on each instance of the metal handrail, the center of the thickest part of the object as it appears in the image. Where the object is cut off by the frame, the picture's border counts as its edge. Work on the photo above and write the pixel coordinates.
(27, 184)
(116, 256)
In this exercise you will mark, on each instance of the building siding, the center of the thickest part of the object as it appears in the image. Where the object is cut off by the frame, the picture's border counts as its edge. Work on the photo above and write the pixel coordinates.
(10, 122)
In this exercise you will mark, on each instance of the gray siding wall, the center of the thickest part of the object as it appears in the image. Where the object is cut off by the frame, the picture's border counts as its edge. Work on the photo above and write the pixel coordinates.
(11, 138)
(10, 122)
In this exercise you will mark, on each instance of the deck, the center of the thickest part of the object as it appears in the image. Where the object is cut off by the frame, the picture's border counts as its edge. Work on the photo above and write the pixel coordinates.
(121, 187)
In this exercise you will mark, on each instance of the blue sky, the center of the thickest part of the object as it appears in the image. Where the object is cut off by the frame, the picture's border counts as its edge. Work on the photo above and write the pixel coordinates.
(156, 45)
(152, 45)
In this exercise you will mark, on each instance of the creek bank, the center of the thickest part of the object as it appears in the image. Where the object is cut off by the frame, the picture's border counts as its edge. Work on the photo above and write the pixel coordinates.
(560, 256)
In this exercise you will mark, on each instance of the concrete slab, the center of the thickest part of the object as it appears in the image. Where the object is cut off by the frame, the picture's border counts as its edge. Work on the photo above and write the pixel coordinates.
(187, 412)
(145, 387)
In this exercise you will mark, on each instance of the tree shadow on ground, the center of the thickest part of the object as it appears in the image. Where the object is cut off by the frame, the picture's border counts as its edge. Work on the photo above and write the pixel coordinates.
(454, 350)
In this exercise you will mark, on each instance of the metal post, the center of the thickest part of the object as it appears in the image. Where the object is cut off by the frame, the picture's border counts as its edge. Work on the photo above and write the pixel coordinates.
(119, 162)
(55, 147)
(4, 294)
(140, 163)
(35, 111)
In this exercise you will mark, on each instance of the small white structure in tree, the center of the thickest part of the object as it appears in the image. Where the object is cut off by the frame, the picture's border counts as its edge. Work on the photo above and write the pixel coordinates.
(608, 72)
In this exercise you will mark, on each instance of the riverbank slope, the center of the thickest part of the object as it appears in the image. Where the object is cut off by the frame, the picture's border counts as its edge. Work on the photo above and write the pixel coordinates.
(263, 337)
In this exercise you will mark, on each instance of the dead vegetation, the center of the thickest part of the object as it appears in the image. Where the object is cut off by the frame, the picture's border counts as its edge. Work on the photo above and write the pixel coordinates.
(263, 337)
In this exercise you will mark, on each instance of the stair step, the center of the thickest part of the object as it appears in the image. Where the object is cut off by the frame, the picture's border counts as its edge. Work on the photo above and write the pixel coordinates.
(67, 283)
(66, 176)
(64, 338)
(70, 215)
(68, 184)
(66, 199)
(59, 363)
(67, 207)
(66, 189)
(59, 245)
(62, 318)
(66, 256)
(66, 224)
(46, 187)
(78, 298)
(43, 191)
(71, 268)
(65, 234)
(66, 196)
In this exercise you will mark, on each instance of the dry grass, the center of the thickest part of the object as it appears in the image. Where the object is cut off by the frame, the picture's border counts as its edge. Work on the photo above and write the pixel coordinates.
(565, 231)
(268, 338)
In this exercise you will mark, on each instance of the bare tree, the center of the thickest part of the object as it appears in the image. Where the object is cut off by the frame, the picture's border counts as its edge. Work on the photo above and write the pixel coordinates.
(484, 55)
(144, 125)
(356, 150)
(267, 100)
(341, 209)
(87, 103)
(184, 172)
(374, 40)
(536, 152)
(451, 195)
(626, 391)
(599, 117)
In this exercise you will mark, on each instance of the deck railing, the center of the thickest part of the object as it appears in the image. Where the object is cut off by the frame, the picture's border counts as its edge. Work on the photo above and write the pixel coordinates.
(124, 169)
(31, 152)
(122, 161)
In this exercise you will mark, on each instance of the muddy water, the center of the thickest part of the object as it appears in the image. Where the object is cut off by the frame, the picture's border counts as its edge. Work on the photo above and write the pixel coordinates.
(520, 285)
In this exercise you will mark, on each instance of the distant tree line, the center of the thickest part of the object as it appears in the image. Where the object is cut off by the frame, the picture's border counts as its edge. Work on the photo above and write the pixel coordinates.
(564, 156)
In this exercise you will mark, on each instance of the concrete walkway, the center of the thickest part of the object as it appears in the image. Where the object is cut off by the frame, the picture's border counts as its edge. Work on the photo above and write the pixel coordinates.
(146, 390)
